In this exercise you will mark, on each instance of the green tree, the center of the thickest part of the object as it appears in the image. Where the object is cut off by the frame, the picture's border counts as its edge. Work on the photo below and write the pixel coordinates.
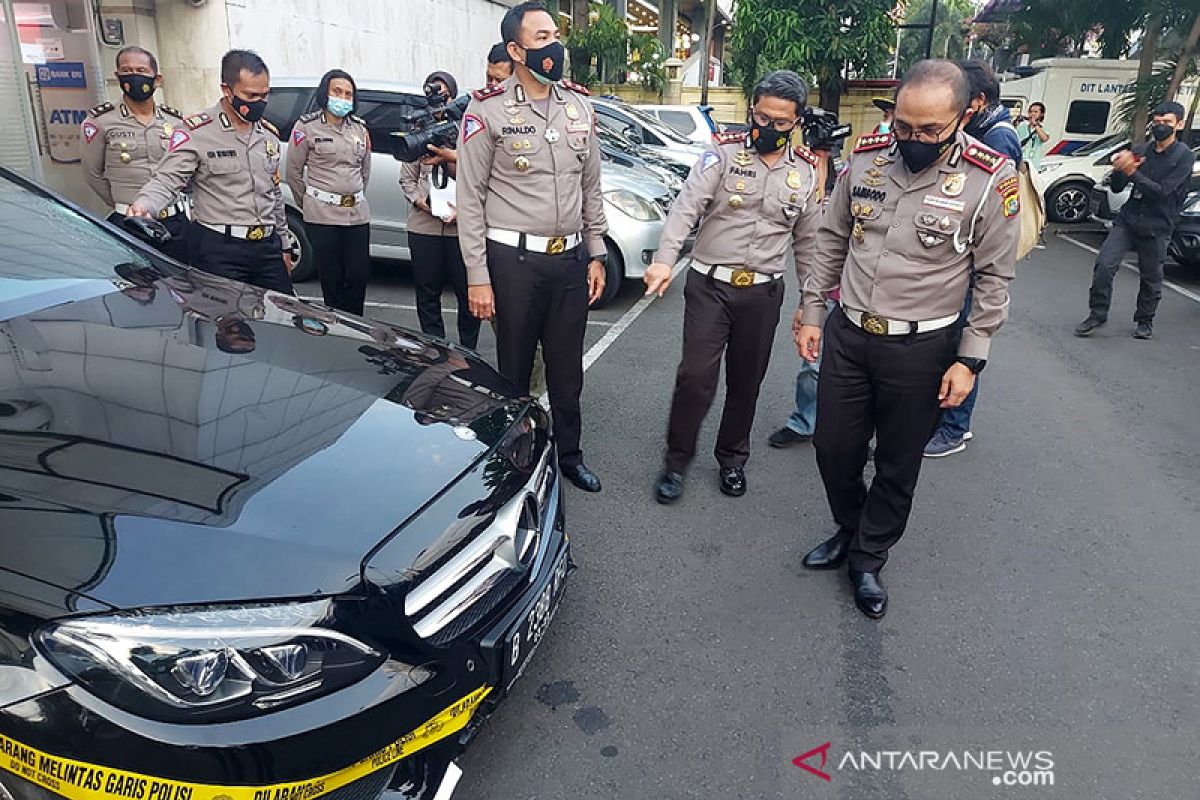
(949, 33)
(823, 40)
(598, 47)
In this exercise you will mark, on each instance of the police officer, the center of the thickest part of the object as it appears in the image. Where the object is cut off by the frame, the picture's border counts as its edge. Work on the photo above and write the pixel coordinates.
(757, 197)
(232, 158)
(529, 183)
(121, 143)
(917, 211)
(328, 167)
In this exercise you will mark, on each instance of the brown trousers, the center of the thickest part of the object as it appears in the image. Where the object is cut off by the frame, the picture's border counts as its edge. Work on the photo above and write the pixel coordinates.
(720, 319)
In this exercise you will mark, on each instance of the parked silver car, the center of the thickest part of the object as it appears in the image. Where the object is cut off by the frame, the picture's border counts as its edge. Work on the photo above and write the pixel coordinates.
(646, 130)
(635, 201)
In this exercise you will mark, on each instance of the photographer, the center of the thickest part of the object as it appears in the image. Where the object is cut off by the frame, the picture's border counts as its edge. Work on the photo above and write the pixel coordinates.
(1033, 135)
(432, 232)
(328, 166)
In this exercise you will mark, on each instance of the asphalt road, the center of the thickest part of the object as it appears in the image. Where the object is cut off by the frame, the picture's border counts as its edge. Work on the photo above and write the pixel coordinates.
(1042, 600)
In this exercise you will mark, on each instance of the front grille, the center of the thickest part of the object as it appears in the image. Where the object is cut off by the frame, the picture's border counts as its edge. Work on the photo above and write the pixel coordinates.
(664, 203)
(488, 569)
(368, 787)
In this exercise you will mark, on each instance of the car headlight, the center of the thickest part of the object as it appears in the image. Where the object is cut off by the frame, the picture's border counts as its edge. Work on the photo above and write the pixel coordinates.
(633, 206)
(209, 664)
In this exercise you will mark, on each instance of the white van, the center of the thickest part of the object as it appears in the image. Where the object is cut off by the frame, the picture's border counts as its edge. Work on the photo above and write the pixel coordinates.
(1081, 97)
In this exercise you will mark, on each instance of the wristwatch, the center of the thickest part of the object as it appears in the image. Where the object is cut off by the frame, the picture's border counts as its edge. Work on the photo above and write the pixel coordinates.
(976, 365)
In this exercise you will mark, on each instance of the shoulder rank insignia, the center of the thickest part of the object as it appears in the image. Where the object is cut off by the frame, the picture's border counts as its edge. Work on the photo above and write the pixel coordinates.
(103, 108)
(171, 111)
(807, 155)
(577, 88)
(270, 128)
(984, 158)
(492, 91)
(730, 137)
(197, 120)
(359, 120)
(876, 142)
(310, 116)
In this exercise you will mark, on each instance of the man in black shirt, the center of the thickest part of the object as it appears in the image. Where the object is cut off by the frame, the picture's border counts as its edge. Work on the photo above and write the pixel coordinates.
(1159, 172)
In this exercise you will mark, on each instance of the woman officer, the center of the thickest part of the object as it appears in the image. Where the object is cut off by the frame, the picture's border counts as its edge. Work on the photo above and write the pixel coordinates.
(328, 166)
(433, 241)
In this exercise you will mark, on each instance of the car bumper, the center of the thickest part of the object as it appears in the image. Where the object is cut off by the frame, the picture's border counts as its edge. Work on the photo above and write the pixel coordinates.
(636, 240)
(1101, 207)
(66, 744)
(1185, 242)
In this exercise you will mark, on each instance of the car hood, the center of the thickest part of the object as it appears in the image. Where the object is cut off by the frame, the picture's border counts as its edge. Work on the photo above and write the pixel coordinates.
(615, 176)
(177, 438)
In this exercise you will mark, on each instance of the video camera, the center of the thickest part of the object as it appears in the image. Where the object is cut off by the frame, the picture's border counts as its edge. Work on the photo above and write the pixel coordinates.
(821, 129)
(436, 124)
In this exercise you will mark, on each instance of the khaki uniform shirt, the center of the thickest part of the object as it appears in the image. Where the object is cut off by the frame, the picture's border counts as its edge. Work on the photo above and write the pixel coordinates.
(522, 169)
(235, 177)
(331, 158)
(903, 246)
(414, 181)
(751, 212)
(118, 151)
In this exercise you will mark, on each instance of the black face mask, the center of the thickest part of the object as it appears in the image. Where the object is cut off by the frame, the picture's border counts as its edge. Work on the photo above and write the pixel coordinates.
(919, 156)
(137, 87)
(1161, 132)
(251, 111)
(546, 63)
(765, 139)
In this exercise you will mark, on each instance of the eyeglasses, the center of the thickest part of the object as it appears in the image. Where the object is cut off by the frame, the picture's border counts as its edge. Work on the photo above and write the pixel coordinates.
(781, 125)
(929, 134)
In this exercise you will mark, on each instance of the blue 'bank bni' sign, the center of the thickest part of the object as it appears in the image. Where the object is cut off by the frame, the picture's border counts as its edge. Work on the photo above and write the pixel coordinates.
(61, 75)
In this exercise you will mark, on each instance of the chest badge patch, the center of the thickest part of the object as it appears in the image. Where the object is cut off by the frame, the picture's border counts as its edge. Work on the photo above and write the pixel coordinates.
(954, 184)
(793, 180)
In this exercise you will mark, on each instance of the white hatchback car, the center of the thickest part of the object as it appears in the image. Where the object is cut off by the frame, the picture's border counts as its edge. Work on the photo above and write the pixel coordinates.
(1069, 180)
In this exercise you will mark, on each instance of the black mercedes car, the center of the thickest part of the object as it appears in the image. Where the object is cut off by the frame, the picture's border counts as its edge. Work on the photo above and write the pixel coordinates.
(250, 548)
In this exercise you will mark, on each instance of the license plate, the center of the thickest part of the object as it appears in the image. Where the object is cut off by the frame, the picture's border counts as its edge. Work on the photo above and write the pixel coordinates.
(529, 632)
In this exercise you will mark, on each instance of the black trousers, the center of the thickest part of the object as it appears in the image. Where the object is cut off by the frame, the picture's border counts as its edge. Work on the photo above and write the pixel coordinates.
(437, 262)
(1151, 251)
(739, 324)
(544, 298)
(886, 387)
(343, 256)
(180, 228)
(256, 263)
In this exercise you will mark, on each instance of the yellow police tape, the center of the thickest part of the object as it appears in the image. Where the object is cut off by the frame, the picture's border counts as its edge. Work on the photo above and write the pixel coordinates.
(78, 780)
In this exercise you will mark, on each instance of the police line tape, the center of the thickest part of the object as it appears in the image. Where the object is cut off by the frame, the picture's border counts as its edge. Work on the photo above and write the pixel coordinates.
(78, 780)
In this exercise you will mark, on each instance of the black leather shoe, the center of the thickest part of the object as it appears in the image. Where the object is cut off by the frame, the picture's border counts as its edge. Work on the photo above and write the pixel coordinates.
(582, 477)
(869, 594)
(786, 437)
(1090, 324)
(733, 481)
(670, 487)
(829, 554)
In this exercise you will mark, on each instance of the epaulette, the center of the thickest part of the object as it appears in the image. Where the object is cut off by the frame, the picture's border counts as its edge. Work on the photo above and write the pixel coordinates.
(986, 159)
(807, 155)
(197, 120)
(103, 108)
(575, 87)
(488, 93)
(171, 111)
(876, 141)
(729, 137)
(310, 116)
(359, 120)
(270, 127)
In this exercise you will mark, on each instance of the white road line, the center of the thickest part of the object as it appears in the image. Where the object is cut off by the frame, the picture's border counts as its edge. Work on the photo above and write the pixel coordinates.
(606, 341)
(1188, 293)
(401, 307)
